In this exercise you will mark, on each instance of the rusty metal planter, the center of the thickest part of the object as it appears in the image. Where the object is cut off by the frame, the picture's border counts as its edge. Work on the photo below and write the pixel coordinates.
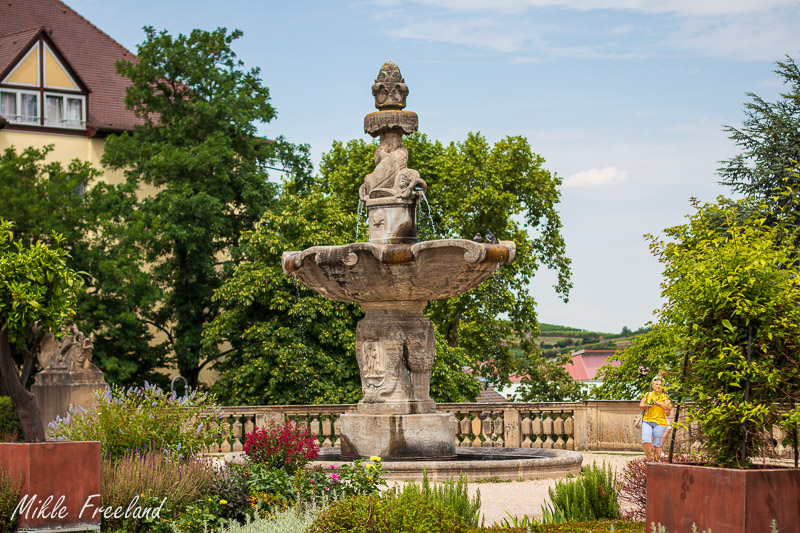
(721, 499)
(52, 470)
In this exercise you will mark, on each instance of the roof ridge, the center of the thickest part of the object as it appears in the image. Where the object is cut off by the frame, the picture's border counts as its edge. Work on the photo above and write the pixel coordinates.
(107, 36)
(37, 28)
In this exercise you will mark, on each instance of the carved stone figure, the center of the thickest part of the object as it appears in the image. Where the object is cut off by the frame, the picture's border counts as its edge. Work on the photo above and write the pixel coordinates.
(391, 178)
(73, 352)
(68, 376)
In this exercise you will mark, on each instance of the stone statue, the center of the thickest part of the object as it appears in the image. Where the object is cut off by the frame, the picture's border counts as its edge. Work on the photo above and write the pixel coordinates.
(68, 376)
(391, 178)
(73, 352)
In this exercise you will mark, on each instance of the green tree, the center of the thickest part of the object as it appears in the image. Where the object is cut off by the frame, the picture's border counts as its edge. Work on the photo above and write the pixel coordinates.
(37, 296)
(769, 140)
(196, 178)
(651, 353)
(732, 305)
(474, 186)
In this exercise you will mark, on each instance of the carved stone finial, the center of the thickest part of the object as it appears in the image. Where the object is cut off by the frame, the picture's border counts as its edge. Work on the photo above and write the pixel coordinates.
(389, 89)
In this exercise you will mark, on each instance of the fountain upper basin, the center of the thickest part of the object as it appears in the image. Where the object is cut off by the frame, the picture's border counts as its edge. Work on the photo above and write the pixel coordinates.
(373, 272)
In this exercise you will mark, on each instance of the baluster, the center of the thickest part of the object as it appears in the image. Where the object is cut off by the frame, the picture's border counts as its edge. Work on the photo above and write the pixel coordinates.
(476, 429)
(536, 431)
(525, 427)
(465, 428)
(558, 430)
(569, 430)
(486, 430)
(315, 425)
(327, 429)
(499, 423)
(547, 430)
(237, 434)
(335, 435)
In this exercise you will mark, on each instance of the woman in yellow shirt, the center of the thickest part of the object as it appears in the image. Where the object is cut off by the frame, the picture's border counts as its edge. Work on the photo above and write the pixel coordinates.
(654, 421)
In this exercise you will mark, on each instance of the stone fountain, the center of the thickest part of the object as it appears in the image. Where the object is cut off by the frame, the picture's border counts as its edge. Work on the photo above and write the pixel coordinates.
(394, 277)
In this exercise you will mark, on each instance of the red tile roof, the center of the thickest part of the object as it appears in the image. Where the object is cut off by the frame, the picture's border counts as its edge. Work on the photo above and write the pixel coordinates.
(586, 363)
(13, 45)
(88, 50)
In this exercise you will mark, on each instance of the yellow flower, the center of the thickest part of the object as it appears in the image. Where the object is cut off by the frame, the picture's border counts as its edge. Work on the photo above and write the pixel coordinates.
(375, 458)
(224, 502)
(369, 466)
(369, 478)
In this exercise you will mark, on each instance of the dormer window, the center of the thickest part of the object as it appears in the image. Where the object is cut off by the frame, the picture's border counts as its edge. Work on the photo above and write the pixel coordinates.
(42, 90)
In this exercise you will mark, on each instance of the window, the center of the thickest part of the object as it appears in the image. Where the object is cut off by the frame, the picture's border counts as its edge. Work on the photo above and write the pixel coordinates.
(63, 111)
(8, 105)
(20, 106)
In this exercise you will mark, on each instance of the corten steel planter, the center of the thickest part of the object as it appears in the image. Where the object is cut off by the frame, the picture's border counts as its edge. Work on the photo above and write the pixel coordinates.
(723, 500)
(52, 470)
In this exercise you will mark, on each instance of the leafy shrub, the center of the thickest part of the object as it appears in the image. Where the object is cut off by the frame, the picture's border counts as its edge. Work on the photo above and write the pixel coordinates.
(9, 496)
(231, 486)
(590, 496)
(361, 478)
(407, 511)
(292, 520)
(144, 418)
(149, 478)
(286, 447)
(10, 428)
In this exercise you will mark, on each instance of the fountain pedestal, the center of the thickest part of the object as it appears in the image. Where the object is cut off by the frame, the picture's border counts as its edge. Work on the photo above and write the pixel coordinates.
(426, 436)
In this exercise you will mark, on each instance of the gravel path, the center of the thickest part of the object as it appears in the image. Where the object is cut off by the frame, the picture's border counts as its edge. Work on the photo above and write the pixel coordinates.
(520, 498)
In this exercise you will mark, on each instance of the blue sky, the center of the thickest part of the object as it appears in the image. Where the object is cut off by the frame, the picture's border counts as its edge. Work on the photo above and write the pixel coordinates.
(625, 99)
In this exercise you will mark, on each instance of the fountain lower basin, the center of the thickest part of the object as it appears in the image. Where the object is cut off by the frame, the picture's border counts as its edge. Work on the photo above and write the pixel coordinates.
(506, 464)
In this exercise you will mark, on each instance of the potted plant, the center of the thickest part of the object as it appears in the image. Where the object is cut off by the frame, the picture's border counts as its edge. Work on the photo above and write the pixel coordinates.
(732, 294)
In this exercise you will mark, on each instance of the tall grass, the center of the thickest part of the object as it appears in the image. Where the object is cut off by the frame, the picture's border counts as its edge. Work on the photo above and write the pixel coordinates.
(9, 496)
(151, 477)
(590, 496)
(452, 494)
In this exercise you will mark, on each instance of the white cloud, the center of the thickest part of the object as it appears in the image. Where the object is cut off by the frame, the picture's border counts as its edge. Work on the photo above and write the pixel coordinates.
(597, 178)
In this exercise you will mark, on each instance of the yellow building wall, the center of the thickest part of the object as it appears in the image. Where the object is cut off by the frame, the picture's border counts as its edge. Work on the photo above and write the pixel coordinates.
(67, 148)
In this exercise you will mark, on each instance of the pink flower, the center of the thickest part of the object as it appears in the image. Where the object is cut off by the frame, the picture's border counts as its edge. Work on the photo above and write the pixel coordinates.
(327, 488)
(333, 466)
(334, 476)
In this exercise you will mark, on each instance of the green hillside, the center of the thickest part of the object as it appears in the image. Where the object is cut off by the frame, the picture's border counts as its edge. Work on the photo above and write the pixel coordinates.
(554, 339)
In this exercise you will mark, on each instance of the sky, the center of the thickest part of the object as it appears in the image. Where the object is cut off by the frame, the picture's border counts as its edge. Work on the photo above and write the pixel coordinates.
(626, 100)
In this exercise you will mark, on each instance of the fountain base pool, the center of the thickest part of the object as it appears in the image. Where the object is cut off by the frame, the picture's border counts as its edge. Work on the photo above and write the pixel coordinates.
(506, 464)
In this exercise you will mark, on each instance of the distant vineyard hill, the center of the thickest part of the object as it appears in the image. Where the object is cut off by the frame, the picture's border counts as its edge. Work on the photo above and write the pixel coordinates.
(554, 339)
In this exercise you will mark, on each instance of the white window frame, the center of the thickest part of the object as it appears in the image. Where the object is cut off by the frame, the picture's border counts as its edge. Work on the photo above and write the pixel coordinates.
(17, 119)
(64, 122)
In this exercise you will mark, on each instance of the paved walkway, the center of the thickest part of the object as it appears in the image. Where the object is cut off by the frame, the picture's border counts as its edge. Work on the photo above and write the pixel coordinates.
(520, 498)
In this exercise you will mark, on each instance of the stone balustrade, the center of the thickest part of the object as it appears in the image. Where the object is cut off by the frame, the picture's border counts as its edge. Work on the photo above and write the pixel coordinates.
(590, 425)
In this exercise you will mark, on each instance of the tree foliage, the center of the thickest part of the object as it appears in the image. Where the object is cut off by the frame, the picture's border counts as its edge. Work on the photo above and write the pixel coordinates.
(732, 305)
(769, 140)
(474, 186)
(37, 296)
(196, 178)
